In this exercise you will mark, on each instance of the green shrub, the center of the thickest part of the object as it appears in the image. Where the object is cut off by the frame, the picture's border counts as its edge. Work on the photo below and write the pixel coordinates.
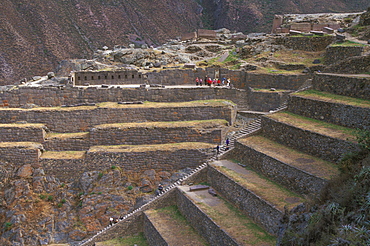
(42, 196)
(50, 198)
(7, 226)
(130, 187)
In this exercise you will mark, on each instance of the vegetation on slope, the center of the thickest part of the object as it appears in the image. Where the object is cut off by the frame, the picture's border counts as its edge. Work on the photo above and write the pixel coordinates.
(341, 216)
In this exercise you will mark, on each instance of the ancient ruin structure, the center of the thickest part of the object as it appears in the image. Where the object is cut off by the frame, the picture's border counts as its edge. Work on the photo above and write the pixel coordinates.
(287, 132)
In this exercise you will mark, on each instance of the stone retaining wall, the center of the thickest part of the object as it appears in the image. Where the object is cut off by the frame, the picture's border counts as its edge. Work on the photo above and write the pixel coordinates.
(294, 179)
(277, 81)
(81, 119)
(22, 133)
(321, 146)
(52, 96)
(203, 224)
(67, 170)
(152, 235)
(335, 54)
(314, 43)
(357, 86)
(153, 135)
(261, 212)
(335, 113)
(66, 144)
(264, 101)
(21, 153)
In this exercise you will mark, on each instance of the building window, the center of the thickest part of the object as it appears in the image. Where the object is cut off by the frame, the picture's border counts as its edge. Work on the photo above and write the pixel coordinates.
(99, 77)
(112, 77)
(119, 76)
(133, 76)
(105, 76)
(78, 78)
(85, 77)
(139, 76)
(125, 76)
(92, 77)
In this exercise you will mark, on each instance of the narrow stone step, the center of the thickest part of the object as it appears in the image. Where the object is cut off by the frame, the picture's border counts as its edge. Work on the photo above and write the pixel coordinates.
(255, 195)
(295, 170)
(76, 141)
(335, 109)
(166, 226)
(324, 140)
(215, 216)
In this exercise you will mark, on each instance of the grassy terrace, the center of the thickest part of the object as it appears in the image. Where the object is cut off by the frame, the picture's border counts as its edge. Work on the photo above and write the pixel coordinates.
(173, 226)
(169, 124)
(302, 161)
(63, 155)
(320, 127)
(76, 135)
(20, 145)
(23, 125)
(138, 240)
(235, 223)
(268, 190)
(333, 98)
(154, 147)
(198, 103)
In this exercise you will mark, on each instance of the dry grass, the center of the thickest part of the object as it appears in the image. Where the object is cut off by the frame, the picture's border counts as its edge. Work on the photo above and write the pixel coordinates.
(79, 135)
(169, 124)
(236, 224)
(174, 228)
(24, 145)
(23, 125)
(327, 97)
(154, 147)
(63, 155)
(320, 127)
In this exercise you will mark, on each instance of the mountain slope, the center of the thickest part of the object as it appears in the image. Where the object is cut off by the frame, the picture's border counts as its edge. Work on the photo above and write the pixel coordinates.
(36, 36)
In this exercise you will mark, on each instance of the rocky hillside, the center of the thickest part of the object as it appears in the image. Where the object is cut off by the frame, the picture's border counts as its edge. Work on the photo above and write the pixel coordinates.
(36, 36)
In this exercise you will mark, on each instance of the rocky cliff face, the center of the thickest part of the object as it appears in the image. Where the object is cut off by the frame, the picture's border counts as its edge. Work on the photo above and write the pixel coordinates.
(35, 36)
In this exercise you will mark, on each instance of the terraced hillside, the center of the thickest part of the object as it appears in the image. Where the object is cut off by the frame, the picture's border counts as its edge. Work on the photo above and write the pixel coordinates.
(265, 175)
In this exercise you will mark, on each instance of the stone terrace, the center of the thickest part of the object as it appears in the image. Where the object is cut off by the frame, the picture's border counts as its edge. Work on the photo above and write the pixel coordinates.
(275, 169)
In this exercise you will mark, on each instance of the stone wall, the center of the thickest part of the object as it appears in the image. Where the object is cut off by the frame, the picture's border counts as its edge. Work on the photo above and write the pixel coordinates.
(357, 86)
(22, 133)
(264, 101)
(52, 96)
(283, 173)
(152, 236)
(203, 224)
(152, 135)
(79, 119)
(21, 153)
(335, 53)
(66, 144)
(352, 65)
(66, 170)
(256, 208)
(314, 43)
(107, 77)
(163, 157)
(324, 147)
(277, 81)
(335, 113)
